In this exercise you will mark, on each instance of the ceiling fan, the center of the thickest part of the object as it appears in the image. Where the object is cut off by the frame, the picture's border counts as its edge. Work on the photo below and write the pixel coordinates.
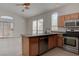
(24, 5)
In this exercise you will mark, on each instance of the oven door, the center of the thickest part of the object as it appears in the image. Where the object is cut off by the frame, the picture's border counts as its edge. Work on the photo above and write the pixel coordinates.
(71, 41)
(71, 44)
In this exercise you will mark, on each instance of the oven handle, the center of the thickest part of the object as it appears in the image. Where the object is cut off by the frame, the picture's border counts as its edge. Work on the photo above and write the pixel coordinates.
(71, 37)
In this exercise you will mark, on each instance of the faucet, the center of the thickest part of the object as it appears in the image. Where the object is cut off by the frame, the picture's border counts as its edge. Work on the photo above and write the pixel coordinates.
(47, 31)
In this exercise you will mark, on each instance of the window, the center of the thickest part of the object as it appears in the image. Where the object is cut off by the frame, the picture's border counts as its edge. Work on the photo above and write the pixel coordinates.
(40, 26)
(6, 26)
(37, 26)
(34, 26)
(54, 22)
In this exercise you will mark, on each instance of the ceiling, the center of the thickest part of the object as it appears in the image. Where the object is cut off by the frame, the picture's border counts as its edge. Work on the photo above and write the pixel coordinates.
(35, 8)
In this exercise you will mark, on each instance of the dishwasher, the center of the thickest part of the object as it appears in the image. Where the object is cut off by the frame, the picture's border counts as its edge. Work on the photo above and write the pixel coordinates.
(43, 44)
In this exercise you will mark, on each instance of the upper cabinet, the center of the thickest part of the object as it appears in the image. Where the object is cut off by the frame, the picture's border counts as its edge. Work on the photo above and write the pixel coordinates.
(67, 17)
(61, 20)
(72, 16)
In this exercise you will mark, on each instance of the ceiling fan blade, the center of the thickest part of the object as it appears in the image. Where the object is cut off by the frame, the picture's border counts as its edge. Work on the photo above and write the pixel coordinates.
(26, 4)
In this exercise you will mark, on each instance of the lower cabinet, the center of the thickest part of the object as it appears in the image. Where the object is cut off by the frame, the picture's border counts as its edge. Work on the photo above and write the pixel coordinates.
(60, 41)
(33, 46)
(52, 41)
(55, 41)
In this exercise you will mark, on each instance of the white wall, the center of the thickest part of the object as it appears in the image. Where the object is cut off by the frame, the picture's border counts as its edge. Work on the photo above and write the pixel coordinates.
(13, 46)
(67, 9)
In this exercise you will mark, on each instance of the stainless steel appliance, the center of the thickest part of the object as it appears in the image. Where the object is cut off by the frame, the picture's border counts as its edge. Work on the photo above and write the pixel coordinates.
(71, 23)
(71, 44)
(77, 23)
(43, 44)
(71, 41)
(71, 36)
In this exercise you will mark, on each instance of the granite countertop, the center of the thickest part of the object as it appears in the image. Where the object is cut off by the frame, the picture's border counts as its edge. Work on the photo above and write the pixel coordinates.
(31, 35)
(60, 31)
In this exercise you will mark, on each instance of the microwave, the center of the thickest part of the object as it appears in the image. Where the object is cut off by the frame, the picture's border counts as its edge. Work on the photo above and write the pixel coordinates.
(70, 23)
(77, 22)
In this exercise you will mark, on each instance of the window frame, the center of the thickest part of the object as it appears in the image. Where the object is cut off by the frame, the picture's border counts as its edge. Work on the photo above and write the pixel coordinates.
(42, 26)
(53, 27)
(37, 30)
(32, 27)
(9, 22)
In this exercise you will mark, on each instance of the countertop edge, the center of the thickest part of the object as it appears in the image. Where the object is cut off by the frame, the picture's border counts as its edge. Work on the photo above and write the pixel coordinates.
(41, 35)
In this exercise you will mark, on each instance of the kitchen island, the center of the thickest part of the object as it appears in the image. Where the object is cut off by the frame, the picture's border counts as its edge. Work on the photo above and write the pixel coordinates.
(33, 45)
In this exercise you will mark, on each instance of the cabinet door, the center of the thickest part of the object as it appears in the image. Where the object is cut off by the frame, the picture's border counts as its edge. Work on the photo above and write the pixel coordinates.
(55, 40)
(61, 21)
(74, 16)
(51, 42)
(60, 41)
(33, 46)
(67, 17)
(25, 46)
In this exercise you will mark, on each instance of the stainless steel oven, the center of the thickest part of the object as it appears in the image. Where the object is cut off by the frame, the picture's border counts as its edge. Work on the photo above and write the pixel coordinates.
(71, 41)
(71, 36)
(71, 44)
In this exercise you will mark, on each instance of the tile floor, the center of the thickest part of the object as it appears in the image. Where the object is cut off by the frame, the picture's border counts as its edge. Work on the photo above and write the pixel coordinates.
(59, 52)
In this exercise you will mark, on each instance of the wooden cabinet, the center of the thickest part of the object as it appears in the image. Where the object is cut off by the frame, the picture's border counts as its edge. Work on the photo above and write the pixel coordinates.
(29, 46)
(25, 46)
(72, 16)
(52, 41)
(63, 18)
(33, 46)
(60, 41)
(67, 17)
(55, 41)
(61, 21)
(75, 16)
